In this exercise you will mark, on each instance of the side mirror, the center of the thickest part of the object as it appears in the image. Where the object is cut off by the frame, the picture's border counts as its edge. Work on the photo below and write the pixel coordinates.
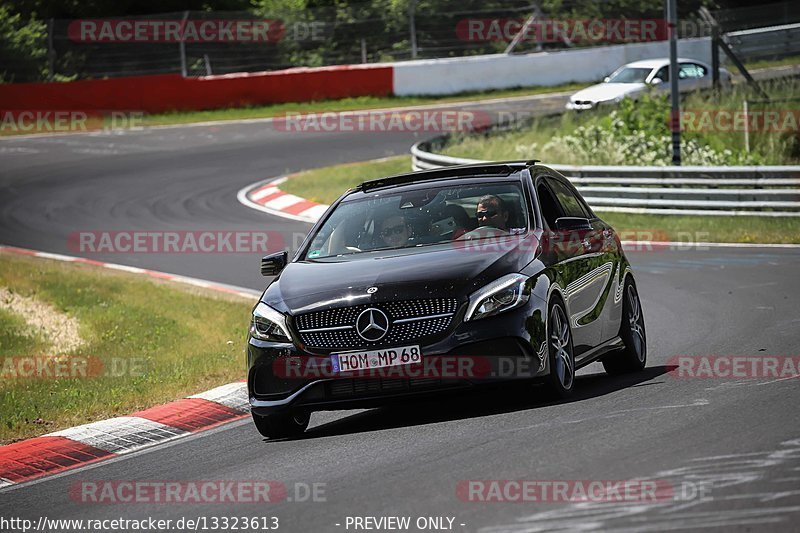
(656, 81)
(272, 264)
(572, 224)
(606, 79)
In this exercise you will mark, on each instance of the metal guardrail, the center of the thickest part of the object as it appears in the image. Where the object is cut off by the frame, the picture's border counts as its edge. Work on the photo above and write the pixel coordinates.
(756, 191)
(773, 41)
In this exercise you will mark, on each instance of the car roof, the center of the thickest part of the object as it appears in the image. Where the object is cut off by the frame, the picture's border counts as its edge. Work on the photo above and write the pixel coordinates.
(500, 170)
(657, 62)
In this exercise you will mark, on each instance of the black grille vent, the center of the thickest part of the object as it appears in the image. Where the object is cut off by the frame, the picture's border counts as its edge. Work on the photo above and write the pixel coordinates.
(345, 317)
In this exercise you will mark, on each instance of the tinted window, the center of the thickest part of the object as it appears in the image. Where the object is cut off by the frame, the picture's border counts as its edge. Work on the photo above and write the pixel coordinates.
(550, 208)
(569, 202)
(406, 218)
(629, 75)
(662, 74)
(691, 71)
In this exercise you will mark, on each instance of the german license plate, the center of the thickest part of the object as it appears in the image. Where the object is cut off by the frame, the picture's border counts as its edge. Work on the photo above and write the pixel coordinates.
(365, 360)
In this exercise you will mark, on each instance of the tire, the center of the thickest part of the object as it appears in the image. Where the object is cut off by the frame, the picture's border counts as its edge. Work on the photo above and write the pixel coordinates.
(282, 425)
(633, 357)
(561, 378)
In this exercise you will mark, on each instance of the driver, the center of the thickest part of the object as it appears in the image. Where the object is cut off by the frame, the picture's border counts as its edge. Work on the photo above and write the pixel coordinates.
(394, 231)
(492, 213)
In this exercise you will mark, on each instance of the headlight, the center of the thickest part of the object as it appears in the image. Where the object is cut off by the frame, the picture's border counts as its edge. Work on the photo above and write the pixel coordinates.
(503, 294)
(269, 325)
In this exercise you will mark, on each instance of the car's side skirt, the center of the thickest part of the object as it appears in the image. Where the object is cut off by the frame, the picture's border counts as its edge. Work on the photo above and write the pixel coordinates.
(599, 351)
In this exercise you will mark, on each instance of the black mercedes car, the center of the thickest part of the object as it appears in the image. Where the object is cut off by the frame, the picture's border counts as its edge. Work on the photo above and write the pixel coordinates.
(439, 280)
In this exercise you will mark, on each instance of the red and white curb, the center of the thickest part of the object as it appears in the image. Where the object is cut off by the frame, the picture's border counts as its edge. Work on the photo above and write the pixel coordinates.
(69, 448)
(267, 197)
(77, 446)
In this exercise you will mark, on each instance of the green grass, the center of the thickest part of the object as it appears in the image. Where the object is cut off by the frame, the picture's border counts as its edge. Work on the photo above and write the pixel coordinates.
(327, 183)
(179, 340)
(697, 229)
(766, 63)
(15, 337)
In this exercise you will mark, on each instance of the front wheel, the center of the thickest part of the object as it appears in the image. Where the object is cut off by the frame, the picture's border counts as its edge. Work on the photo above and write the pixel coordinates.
(562, 360)
(633, 356)
(282, 425)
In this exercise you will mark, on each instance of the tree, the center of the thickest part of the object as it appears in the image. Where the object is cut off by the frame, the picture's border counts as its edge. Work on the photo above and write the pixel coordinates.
(23, 47)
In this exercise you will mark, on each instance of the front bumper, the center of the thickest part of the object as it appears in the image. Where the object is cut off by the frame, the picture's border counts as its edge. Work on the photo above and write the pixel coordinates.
(505, 347)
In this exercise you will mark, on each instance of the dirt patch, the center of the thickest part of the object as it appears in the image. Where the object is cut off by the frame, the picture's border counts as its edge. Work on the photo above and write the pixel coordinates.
(57, 328)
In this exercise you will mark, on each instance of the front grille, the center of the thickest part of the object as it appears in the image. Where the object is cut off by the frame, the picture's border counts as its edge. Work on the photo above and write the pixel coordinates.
(335, 328)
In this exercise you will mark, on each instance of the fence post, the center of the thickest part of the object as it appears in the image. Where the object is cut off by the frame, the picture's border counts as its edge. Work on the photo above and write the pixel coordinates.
(715, 57)
(412, 27)
(675, 123)
(746, 128)
(184, 72)
(51, 52)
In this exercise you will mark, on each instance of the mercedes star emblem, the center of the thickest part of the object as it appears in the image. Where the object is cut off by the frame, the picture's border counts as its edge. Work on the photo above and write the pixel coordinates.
(372, 324)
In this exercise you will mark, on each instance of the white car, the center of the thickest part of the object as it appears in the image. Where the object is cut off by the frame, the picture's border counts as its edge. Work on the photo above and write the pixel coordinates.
(632, 79)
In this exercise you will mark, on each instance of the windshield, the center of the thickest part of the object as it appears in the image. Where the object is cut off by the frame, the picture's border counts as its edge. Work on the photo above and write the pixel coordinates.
(630, 75)
(398, 219)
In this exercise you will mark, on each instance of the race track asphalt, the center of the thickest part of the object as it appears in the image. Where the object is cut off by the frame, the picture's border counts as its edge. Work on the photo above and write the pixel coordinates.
(735, 442)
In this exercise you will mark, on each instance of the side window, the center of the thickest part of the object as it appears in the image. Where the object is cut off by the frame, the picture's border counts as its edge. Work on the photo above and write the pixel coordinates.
(569, 202)
(550, 208)
(691, 71)
(662, 74)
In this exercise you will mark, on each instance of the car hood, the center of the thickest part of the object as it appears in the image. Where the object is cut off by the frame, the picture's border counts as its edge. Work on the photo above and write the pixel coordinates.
(603, 92)
(448, 270)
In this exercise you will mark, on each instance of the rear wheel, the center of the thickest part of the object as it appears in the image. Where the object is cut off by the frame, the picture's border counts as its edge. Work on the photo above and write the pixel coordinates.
(282, 425)
(562, 360)
(633, 356)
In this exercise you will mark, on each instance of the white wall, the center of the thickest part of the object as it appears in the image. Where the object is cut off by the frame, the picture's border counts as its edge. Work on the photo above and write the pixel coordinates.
(500, 71)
